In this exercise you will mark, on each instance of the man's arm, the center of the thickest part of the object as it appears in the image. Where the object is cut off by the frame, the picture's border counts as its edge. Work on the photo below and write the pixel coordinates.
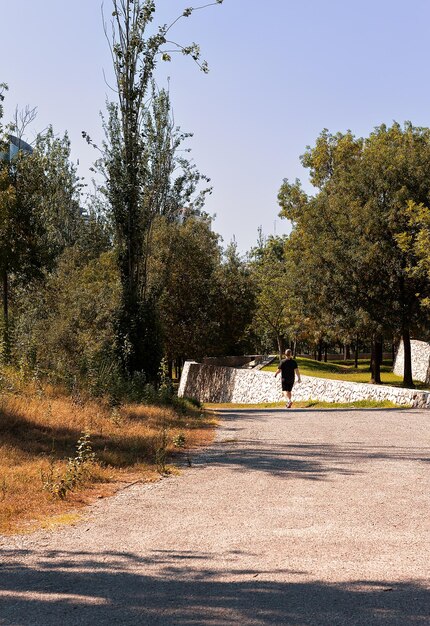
(277, 371)
(299, 380)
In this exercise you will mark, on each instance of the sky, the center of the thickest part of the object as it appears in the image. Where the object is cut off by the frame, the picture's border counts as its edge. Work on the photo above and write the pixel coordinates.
(280, 72)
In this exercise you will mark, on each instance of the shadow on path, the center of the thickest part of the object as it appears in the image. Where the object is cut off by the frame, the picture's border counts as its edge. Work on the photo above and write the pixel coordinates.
(294, 459)
(308, 461)
(120, 588)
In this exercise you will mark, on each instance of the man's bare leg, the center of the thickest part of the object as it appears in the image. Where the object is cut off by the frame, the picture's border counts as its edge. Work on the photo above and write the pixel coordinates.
(287, 396)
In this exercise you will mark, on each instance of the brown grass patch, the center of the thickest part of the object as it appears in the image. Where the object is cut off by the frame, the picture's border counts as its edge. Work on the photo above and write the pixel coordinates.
(39, 432)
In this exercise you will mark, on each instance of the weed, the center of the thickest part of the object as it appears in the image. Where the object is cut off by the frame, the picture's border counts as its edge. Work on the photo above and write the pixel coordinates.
(166, 387)
(76, 471)
(194, 402)
(161, 451)
(37, 380)
(39, 434)
(179, 441)
(116, 417)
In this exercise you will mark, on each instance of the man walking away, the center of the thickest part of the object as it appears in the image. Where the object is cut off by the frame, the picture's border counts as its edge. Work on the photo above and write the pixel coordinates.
(288, 367)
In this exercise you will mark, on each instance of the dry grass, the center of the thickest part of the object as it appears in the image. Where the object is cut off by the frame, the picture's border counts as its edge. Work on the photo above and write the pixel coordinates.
(39, 432)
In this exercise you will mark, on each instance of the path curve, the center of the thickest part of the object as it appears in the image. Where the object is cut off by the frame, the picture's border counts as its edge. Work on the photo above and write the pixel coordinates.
(290, 518)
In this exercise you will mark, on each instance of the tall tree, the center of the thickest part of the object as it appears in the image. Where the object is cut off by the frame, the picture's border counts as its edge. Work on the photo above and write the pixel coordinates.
(40, 212)
(275, 314)
(20, 225)
(136, 176)
(236, 300)
(354, 220)
(7, 203)
(57, 190)
(188, 305)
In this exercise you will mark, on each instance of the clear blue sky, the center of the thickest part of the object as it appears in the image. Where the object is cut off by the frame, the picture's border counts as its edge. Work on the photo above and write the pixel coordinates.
(281, 71)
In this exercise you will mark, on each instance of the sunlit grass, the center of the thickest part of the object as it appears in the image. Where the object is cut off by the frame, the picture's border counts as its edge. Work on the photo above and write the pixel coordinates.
(345, 370)
(307, 404)
(39, 430)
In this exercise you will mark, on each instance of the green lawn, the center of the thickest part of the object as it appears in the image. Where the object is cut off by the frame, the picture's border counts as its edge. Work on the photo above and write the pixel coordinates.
(345, 370)
(307, 404)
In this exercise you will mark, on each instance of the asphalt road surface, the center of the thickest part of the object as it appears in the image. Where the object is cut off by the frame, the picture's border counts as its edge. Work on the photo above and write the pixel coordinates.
(293, 517)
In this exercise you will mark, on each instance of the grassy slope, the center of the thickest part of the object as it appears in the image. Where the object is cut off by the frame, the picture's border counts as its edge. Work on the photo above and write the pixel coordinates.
(344, 370)
(38, 434)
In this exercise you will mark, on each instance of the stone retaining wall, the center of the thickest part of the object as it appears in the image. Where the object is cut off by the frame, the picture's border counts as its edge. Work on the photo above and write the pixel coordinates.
(209, 383)
(420, 353)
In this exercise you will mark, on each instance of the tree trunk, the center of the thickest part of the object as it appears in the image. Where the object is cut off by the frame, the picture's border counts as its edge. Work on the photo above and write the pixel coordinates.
(375, 361)
(179, 363)
(281, 345)
(356, 353)
(379, 350)
(407, 368)
(320, 346)
(6, 338)
(325, 352)
(346, 352)
(394, 348)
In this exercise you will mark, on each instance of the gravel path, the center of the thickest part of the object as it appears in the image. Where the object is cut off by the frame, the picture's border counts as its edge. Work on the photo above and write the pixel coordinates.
(291, 518)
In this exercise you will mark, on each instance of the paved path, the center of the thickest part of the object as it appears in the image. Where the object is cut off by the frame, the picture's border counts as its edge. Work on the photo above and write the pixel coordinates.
(298, 518)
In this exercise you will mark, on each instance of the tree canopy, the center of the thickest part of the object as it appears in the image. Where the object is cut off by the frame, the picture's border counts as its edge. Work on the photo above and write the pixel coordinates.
(351, 236)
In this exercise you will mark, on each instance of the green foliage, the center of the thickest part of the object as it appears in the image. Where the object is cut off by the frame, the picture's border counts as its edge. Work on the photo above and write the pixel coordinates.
(65, 324)
(235, 295)
(3, 88)
(179, 441)
(52, 181)
(415, 244)
(40, 216)
(351, 243)
(165, 382)
(194, 402)
(276, 316)
(183, 270)
(45, 216)
(139, 159)
(93, 299)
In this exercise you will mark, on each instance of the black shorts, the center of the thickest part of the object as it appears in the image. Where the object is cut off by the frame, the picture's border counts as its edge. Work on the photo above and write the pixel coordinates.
(287, 385)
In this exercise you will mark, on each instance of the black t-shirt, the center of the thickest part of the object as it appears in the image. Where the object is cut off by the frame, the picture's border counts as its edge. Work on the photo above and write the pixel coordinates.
(287, 367)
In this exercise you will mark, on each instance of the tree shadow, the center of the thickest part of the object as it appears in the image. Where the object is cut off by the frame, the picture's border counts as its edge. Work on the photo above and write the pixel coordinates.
(295, 459)
(182, 588)
(59, 442)
(282, 461)
(308, 461)
(19, 431)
